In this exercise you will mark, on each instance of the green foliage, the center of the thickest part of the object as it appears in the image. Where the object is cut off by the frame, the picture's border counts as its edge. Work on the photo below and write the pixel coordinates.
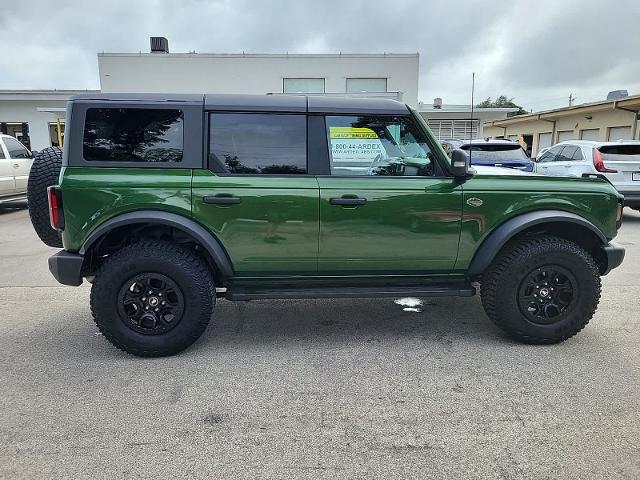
(502, 102)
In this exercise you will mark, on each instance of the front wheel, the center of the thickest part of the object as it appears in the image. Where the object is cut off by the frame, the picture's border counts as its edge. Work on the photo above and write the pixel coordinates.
(541, 290)
(153, 298)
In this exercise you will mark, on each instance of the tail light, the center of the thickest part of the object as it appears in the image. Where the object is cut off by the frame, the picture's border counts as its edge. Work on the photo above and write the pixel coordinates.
(599, 163)
(56, 215)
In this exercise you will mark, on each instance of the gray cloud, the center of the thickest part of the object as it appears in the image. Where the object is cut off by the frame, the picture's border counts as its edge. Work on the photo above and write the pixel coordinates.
(535, 51)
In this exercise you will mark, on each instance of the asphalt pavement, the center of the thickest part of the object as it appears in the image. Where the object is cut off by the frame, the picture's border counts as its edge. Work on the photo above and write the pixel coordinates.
(314, 389)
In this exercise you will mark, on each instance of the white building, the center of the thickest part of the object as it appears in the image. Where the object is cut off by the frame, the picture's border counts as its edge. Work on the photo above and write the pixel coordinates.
(34, 116)
(391, 75)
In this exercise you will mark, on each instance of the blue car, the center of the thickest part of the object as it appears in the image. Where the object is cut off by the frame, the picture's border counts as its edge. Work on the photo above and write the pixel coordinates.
(493, 153)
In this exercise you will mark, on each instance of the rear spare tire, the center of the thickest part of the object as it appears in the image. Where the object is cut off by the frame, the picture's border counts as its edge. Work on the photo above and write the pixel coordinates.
(44, 173)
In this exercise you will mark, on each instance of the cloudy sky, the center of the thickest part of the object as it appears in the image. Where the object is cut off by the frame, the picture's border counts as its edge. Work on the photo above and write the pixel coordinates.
(538, 51)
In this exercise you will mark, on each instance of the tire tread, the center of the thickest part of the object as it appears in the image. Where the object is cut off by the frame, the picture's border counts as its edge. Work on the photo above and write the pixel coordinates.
(500, 268)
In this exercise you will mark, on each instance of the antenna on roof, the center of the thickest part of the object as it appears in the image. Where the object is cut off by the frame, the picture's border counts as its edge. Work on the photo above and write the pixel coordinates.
(473, 86)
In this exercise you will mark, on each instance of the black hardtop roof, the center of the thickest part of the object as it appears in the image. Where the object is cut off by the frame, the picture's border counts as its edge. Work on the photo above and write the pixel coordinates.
(259, 103)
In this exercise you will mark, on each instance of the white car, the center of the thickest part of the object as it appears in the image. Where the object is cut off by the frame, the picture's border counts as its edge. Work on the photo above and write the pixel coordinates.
(15, 164)
(618, 161)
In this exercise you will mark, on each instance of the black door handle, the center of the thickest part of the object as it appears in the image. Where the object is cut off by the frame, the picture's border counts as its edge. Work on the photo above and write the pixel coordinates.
(221, 199)
(347, 201)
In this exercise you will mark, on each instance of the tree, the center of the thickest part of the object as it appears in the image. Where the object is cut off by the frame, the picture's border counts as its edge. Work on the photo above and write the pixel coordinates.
(502, 102)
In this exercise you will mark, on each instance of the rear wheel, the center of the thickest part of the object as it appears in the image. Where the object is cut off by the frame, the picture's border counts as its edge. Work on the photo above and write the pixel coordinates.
(541, 290)
(44, 173)
(153, 298)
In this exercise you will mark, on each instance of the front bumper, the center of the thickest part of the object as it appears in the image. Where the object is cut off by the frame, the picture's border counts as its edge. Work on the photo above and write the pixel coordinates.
(66, 267)
(615, 255)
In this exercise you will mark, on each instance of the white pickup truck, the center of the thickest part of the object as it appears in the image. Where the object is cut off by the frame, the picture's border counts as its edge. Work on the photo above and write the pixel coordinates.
(15, 164)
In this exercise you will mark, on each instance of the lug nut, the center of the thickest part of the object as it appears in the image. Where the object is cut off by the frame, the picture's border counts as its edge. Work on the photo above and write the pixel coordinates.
(164, 303)
(144, 298)
(159, 294)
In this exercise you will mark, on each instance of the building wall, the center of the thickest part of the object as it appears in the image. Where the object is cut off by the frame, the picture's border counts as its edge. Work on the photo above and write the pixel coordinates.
(251, 74)
(20, 111)
(575, 123)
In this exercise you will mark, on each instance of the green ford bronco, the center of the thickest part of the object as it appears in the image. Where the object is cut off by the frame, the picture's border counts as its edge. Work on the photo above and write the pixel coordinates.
(165, 203)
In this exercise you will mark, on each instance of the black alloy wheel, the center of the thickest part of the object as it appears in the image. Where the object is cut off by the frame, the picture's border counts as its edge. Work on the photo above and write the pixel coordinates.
(546, 294)
(150, 303)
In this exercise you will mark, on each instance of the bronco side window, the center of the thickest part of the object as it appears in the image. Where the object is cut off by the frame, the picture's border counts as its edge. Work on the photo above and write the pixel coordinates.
(133, 135)
(378, 146)
(256, 143)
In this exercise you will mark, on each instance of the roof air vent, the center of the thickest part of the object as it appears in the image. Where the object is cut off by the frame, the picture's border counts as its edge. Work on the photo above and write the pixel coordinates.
(159, 45)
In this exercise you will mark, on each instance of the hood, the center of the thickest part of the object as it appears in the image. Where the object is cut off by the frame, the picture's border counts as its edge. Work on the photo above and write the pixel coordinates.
(482, 170)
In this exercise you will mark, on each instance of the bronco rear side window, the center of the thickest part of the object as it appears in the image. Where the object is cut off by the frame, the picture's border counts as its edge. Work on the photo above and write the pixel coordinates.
(133, 135)
(259, 144)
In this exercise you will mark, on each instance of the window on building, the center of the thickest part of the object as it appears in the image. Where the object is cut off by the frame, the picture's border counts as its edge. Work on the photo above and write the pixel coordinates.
(252, 143)
(54, 136)
(619, 133)
(590, 134)
(18, 130)
(454, 129)
(544, 140)
(366, 85)
(378, 146)
(133, 135)
(564, 135)
(303, 85)
(15, 148)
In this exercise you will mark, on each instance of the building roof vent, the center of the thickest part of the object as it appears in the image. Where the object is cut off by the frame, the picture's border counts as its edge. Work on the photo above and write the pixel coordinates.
(617, 94)
(437, 103)
(159, 45)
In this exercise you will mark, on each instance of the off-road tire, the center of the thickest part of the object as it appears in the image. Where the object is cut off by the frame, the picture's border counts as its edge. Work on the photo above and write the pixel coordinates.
(188, 270)
(502, 281)
(44, 173)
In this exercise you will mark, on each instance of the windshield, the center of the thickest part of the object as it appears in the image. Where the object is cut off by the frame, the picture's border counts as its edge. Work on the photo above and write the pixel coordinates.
(496, 152)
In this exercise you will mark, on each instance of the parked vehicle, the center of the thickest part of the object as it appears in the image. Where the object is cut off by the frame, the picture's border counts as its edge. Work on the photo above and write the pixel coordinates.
(165, 203)
(618, 161)
(15, 163)
(493, 153)
(541, 152)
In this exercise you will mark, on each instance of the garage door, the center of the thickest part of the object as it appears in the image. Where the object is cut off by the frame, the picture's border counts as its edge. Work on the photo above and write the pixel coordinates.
(449, 129)
(592, 134)
(619, 133)
(564, 135)
(544, 140)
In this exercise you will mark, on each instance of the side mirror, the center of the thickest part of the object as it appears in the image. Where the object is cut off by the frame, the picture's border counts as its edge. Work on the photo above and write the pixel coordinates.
(460, 163)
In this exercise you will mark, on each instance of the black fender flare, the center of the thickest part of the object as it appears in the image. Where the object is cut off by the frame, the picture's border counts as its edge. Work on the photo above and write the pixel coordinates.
(494, 242)
(205, 238)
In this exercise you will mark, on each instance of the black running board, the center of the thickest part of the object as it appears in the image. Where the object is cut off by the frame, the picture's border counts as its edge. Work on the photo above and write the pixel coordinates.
(240, 294)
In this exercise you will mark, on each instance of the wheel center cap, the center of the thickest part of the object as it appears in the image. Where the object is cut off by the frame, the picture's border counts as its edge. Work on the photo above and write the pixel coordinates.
(544, 292)
(153, 301)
